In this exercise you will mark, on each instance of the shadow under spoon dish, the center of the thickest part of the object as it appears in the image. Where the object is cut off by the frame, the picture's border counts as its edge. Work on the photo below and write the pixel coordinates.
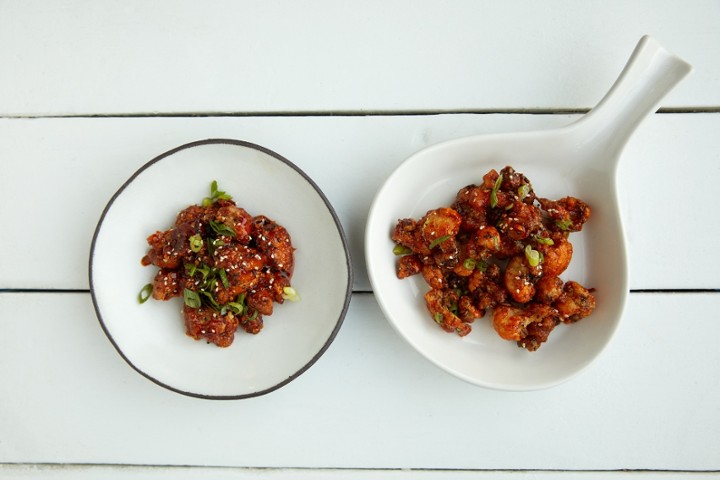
(580, 160)
(151, 337)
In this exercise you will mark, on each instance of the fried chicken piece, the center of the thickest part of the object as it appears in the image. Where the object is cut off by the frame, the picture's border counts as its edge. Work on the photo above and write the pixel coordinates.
(438, 304)
(529, 326)
(471, 203)
(274, 242)
(556, 256)
(519, 279)
(251, 321)
(568, 214)
(408, 265)
(520, 220)
(236, 219)
(408, 234)
(434, 276)
(206, 323)
(576, 302)
(439, 225)
(166, 284)
(168, 247)
(548, 289)
(486, 288)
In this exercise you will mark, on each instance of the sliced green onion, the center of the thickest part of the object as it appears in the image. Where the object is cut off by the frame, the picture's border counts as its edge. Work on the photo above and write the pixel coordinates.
(221, 229)
(223, 277)
(289, 293)
(563, 224)
(438, 241)
(209, 299)
(523, 190)
(145, 293)
(543, 240)
(215, 195)
(234, 307)
(196, 243)
(482, 265)
(210, 246)
(401, 250)
(438, 317)
(469, 264)
(253, 316)
(190, 269)
(493, 193)
(204, 270)
(192, 299)
(533, 256)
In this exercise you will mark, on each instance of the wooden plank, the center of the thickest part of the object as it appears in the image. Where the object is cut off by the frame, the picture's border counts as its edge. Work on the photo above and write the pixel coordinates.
(371, 402)
(79, 57)
(118, 472)
(58, 174)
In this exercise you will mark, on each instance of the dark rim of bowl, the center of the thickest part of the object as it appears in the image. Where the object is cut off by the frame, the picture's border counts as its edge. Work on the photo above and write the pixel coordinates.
(338, 225)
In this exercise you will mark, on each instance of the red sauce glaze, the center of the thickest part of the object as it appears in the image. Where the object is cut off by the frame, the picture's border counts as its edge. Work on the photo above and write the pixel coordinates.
(499, 247)
(228, 266)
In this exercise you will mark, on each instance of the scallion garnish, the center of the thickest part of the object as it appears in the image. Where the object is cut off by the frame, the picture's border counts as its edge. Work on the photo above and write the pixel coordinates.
(289, 293)
(223, 277)
(196, 243)
(563, 224)
(221, 229)
(192, 299)
(533, 256)
(469, 263)
(145, 293)
(543, 240)
(438, 317)
(523, 190)
(215, 195)
(234, 307)
(190, 269)
(209, 299)
(438, 241)
(401, 250)
(493, 192)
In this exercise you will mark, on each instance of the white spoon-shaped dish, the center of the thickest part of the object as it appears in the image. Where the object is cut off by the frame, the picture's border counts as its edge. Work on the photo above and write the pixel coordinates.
(579, 160)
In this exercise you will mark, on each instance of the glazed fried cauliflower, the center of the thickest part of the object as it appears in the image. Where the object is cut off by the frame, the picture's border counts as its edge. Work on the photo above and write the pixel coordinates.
(497, 247)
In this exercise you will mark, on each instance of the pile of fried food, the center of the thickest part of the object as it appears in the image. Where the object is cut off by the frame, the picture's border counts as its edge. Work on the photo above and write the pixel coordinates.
(498, 247)
(228, 266)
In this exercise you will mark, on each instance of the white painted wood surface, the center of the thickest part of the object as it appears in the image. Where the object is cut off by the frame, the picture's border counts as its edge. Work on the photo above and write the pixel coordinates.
(92, 57)
(650, 402)
(85, 160)
(286, 75)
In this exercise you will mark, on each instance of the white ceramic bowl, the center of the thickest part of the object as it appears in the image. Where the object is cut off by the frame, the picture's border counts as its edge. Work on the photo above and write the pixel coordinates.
(151, 336)
(579, 160)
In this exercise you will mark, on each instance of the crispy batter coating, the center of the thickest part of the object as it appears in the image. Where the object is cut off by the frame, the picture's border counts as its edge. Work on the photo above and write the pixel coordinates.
(229, 267)
(575, 302)
(500, 247)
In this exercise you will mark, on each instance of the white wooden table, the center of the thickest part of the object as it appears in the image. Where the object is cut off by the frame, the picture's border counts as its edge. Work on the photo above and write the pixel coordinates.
(90, 91)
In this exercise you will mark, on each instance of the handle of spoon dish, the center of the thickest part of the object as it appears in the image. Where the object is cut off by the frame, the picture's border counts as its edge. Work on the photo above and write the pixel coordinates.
(650, 74)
